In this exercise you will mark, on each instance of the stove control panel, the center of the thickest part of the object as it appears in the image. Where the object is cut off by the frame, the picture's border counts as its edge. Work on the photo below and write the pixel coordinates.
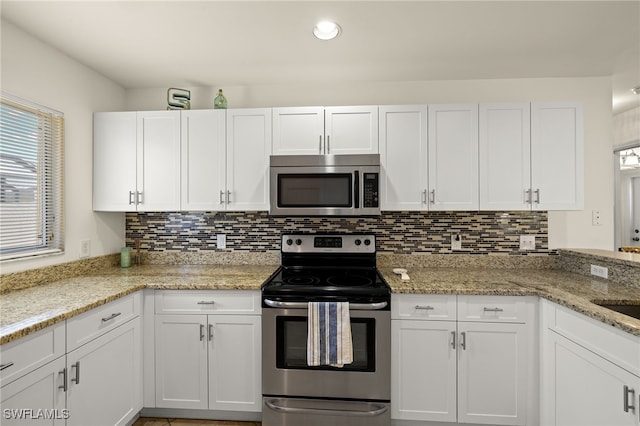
(328, 243)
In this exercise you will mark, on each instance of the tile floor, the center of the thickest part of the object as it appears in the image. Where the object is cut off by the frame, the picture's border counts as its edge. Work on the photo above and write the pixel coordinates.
(149, 421)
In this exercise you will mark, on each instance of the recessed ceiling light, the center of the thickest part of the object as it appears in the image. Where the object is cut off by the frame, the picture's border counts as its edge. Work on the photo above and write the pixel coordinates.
(326, 30)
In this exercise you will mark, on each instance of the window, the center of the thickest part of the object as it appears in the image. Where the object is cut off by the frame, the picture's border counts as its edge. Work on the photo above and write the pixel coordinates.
(31, 179)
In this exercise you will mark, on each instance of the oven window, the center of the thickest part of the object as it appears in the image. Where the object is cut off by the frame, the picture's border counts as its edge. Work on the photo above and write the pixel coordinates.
(315, 190)
(291, 344)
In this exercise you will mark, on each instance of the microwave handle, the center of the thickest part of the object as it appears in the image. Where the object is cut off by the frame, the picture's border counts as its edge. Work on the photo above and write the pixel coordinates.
(356, 189)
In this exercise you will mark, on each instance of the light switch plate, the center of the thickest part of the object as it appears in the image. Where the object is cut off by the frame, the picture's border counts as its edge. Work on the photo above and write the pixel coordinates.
(221, 241)
(527, 242)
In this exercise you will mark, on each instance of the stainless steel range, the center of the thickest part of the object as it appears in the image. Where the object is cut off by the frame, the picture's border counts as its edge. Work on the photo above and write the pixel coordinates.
(326, 268)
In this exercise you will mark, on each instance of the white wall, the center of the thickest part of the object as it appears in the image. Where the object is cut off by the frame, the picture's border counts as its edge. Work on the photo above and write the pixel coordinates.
(566, 229)
(36, 72)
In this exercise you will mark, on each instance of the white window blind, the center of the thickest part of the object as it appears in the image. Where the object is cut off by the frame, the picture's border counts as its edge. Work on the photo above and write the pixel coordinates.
(31, 179)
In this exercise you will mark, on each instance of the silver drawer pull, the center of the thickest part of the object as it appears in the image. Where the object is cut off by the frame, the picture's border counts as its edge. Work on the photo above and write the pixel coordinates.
(426, 308)
(112, 316)
(453, 340)
(76, 379)
(377, 409)
(204, 302)
(493, 310)
(63, 373)
(626, 391)
(5, 366)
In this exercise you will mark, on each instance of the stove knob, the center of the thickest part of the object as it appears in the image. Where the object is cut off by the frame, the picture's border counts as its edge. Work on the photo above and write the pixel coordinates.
(298, 241)
(289, 241)
(367, 242)
(358, 242)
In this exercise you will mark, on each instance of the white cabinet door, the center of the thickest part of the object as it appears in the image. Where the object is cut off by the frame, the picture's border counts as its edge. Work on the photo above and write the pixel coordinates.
(114, 161)
(584, 389)
(423, 378)
(248, 150)
(105, 378)
(298, 131)
(37, 397)
(505, 156)
(181, 361)
(453, 157)
(492, 371)
(158, 160)
(203, 160)
(234, 363)
(351, 130)
(557, 156)
(403, 157)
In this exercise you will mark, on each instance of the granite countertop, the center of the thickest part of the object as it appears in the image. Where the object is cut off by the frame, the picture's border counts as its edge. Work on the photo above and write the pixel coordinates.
(575, 291)
(28, 310)
(34, 308)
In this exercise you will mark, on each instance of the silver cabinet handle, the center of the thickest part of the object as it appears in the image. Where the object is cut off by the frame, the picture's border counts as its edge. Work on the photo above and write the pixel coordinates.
(425, 308)
(453, 340)
(537, 192)
(626, 391)
(206, 302)
(112, 316)
(201, 332)
(131, 198)
(221, 195)
(378, 410)
(463, 340)
(328, 144)
(320, 145)
(76, 379)
(5, 366)
(139, 198)
(424, 197)
(493, 309)
(228, 197)
(210, 332)
(63, 372)
(432, 196)
(527, 196)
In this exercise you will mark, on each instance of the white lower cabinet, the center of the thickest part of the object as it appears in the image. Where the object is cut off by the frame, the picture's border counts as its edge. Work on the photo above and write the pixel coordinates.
(591, 371)
(105, 378)
(208, 357)
(36, 397)
(450, 370)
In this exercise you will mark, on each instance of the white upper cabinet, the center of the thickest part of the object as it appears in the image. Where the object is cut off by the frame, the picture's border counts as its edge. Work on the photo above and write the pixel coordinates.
(403, 155)
(136, 161)
(453, 157)
(557, 156)
(248, 150)
(330, 130)
(505, 156)
(203, 160)
(298, 130)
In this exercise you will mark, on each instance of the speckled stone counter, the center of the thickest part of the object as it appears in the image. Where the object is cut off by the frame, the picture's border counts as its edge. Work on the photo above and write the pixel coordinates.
(34, 308)
(575, 291)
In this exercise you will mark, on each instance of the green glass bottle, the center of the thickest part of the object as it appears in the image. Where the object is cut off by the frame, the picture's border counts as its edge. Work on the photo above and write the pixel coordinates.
(220, 102)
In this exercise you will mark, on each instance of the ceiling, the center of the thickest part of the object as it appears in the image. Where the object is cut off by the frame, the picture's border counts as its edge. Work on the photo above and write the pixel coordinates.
(142, 44)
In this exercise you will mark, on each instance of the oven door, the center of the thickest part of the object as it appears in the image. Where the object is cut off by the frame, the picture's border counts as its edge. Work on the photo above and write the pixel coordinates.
(284, 357)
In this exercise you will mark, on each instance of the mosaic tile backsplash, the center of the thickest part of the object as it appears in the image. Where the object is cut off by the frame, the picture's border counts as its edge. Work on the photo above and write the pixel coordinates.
(396, 232)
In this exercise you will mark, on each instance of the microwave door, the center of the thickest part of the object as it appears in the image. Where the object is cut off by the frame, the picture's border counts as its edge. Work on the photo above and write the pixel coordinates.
(356, 189)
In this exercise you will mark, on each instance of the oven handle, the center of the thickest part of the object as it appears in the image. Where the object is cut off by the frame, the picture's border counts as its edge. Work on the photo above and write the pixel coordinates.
(304, 305)
(370, 413)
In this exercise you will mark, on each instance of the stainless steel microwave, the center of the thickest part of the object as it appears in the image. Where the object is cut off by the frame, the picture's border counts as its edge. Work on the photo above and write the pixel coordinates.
(325, 185)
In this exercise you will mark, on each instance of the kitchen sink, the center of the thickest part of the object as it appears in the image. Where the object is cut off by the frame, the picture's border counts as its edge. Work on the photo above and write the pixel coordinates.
(630, 310)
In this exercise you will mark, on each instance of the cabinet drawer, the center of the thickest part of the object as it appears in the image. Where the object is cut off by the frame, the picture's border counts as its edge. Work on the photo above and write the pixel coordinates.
(207, 302)
(89, 325)
(420, 306)
(518, 309)
(24, 355)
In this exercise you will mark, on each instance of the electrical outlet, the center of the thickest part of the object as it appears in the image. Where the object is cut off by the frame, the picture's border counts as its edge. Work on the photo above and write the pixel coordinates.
(596, 218)
(85, 249)
(527, 242)
(600, 271)
(221, 241)
(456, 242)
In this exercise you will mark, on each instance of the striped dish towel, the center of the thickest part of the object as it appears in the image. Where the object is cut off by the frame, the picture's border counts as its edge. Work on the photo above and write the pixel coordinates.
(329, 334)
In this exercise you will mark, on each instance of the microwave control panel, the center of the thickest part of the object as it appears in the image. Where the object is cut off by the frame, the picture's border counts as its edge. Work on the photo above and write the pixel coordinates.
(370, 187)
